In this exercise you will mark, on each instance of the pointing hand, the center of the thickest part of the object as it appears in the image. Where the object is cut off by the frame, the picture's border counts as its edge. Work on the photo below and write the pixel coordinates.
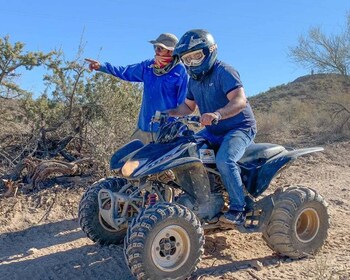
(94, 64)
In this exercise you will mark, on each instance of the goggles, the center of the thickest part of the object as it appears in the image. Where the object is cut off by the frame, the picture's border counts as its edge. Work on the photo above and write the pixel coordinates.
(194, 58)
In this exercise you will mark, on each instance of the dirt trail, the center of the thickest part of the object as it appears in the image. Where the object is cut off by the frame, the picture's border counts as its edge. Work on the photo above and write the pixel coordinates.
(40, 237)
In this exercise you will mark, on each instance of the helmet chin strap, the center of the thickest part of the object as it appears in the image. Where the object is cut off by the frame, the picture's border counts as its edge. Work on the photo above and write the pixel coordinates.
(199, 76)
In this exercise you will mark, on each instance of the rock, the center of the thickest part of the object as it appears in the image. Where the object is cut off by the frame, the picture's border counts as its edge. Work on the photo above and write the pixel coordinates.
(257, 265)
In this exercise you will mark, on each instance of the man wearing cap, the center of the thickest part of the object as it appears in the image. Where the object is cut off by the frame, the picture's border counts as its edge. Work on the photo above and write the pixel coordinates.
(165, 82)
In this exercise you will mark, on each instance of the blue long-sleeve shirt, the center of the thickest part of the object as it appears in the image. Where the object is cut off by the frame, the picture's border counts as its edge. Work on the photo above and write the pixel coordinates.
(159, 92)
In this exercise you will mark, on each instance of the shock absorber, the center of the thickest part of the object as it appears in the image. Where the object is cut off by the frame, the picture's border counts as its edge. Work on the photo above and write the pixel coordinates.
(152, 198)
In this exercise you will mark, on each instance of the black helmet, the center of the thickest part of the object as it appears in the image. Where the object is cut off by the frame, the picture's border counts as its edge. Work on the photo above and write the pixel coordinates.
(202, 61)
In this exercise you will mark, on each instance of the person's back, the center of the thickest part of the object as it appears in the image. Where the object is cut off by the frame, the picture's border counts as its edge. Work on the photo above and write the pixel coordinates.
(164, 82)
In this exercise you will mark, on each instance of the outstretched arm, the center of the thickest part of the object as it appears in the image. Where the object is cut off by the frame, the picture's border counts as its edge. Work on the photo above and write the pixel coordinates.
(131, 73)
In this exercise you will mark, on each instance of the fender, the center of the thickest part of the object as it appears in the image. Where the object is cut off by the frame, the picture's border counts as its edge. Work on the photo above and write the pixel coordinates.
(261, 176)
(170, 163)
(300, 152)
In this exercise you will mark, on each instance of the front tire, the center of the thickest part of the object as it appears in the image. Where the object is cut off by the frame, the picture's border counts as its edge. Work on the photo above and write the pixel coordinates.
(91, 222)
(299, 223)
(165, 241)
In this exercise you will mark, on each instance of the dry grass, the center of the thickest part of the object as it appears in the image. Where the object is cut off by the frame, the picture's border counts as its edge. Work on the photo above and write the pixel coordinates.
(311, 107)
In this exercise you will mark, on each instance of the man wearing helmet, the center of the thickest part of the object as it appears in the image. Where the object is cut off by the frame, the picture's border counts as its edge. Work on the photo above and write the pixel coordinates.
(164, 82)
(218, 91)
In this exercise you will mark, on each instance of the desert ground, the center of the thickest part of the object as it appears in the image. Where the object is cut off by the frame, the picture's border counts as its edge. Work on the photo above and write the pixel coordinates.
(40, 237)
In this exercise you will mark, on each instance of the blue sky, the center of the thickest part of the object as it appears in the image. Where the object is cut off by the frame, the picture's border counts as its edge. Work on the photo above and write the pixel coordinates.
(254, 36)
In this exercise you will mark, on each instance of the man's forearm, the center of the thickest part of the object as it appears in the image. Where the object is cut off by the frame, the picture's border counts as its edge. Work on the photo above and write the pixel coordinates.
(231, 109)
(181, 110)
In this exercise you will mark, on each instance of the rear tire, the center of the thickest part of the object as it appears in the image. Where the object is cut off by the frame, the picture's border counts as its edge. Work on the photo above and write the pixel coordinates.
(165, 241)
(299, 223)
(91, 222)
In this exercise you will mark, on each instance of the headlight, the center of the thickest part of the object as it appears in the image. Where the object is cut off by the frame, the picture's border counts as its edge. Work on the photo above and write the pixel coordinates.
(129, 167)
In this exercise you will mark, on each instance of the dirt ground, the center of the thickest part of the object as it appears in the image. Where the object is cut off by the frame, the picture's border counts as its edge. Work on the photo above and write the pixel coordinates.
(40, 237)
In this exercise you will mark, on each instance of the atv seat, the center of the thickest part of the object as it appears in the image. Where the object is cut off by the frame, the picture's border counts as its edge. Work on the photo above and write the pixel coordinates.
(261, 151)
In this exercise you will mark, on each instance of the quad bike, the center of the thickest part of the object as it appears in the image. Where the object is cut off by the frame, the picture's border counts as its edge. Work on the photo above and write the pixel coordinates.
(168, 193)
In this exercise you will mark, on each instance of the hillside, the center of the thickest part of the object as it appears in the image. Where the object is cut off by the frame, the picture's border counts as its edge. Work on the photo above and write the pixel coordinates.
(310, 89)
(312, 108)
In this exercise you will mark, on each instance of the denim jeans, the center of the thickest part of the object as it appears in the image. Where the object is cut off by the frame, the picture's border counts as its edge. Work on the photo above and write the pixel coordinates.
(232, 147)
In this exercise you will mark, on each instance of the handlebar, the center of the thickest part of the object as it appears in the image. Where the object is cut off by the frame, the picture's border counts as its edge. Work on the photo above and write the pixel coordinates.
(215, 121)
(172, 127)
(161, 118)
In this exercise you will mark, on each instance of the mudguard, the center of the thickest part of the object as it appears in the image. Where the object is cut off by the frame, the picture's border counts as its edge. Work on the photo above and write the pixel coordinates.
(155, 158)
(193, 178)
(259, 178)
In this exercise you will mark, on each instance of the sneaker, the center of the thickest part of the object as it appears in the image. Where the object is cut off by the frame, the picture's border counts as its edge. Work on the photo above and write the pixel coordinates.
(233, 217)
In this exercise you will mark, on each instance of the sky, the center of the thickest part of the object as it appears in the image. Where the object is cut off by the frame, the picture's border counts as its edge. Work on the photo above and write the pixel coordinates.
(254, 36)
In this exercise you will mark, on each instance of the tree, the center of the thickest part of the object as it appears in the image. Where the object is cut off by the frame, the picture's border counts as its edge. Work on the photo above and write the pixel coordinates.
(94, 114)
(325, 54)
(12, 57)
(76, 118)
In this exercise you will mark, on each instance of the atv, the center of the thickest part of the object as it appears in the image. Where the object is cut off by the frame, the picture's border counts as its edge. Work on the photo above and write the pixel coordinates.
(167, 194)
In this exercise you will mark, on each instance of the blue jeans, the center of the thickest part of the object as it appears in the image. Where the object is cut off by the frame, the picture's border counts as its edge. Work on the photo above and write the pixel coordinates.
(232, 147)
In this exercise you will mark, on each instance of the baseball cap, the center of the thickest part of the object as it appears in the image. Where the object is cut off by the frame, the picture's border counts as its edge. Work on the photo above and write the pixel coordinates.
(166, 40)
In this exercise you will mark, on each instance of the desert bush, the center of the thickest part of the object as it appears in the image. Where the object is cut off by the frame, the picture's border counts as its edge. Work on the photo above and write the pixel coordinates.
(114, 106)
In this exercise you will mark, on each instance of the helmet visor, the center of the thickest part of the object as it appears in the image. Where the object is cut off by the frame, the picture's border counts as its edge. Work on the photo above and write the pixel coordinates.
(194, 58)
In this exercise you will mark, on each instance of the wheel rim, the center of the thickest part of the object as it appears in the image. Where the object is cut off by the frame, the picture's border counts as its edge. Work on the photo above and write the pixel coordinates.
(307, 225)
(106, 204)
(171, 248)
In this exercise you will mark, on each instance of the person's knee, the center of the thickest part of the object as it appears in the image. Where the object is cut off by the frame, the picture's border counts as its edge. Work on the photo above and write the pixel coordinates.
(225, 165)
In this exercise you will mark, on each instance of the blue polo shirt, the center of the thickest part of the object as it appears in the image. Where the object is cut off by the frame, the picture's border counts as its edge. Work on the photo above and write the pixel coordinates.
(210, 94)
(159, 92)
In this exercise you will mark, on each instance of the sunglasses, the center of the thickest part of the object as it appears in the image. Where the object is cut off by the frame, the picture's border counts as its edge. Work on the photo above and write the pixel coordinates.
(158, 48)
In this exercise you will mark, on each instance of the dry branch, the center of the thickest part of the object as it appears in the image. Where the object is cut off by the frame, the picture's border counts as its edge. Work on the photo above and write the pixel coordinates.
(40, 170)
